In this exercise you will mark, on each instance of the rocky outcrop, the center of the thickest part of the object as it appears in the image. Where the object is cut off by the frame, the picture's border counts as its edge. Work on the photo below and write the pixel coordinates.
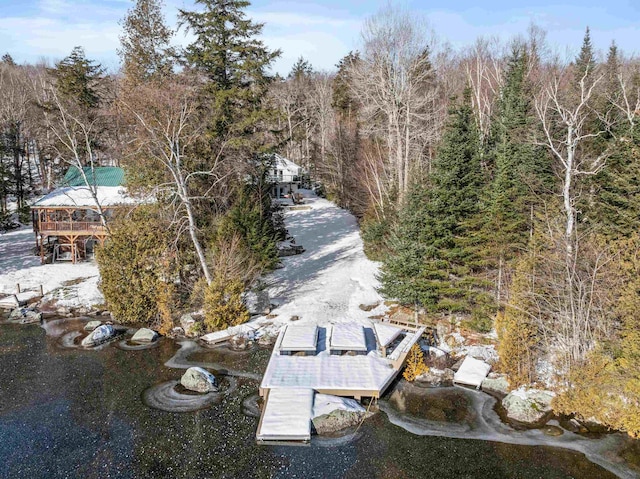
(199, 380)
(369, 307)
(144, 335)
(531, 407)
(91, 325)
(99, 335)
(496, 385)
(287, 248)
(26, 315)
(436, 378)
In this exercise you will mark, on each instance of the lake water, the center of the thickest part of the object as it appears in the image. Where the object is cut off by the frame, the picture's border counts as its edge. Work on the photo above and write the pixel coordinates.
(72, 413)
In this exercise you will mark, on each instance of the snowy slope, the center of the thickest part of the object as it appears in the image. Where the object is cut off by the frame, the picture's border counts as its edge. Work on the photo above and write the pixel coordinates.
(18, 264)
(327, 283)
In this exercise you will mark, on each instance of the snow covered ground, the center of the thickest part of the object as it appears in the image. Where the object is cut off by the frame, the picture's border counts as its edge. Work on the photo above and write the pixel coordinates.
(324, 285)
(18, 264)
(333, 277)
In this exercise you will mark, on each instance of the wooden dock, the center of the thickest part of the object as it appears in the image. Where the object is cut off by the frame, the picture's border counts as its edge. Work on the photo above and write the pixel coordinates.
(291, 381)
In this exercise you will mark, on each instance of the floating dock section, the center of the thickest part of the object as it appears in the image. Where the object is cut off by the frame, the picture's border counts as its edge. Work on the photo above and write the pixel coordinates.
(286, 416)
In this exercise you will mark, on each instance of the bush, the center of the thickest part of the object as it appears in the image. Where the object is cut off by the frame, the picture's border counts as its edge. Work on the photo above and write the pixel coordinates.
(24, 215)
(374, 235)
(223, 304)
(136, 269)
(257, 222)
(415, 364)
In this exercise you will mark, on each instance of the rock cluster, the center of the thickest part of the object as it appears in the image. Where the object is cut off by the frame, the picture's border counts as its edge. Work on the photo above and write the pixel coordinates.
(436, 378)
(26, 315)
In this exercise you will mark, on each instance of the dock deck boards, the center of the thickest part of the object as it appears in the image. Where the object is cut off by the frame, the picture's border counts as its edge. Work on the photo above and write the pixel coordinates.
(286, 415)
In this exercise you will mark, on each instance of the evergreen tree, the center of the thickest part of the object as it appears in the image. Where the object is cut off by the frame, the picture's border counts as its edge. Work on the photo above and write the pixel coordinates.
(616, 206)
(78, 79)
(135, 264)
(429, 265)
(522, 170)
(403, 274)
(233, 61)
(7, 59)
(343, 100)
(585, 62)
(255, 219)
(145, 43)
(301, 68)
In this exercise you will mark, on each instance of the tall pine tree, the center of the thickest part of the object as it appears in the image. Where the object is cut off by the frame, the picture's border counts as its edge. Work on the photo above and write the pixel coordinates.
(429, 264)
(522, 172)
(234, 63)
(145, 43)
(585, 62)
(78, 79)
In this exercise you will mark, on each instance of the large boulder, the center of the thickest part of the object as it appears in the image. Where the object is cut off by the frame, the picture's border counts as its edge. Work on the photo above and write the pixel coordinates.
(26, 315)
(332, 413)
(144, 335)
(531, 407)
(99, 335)
(436, 377)
(199, 380)
(91, 325)
(496, 385)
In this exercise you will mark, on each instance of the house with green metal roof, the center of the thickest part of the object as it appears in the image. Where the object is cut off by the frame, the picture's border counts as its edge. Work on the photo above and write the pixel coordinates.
(70, 219)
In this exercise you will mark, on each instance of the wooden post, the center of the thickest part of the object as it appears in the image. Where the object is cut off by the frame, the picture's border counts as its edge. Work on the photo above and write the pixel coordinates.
(18, 288)
(41, 291)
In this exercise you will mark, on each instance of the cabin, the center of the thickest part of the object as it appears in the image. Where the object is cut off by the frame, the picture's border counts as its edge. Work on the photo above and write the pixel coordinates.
(286, 177)
(67, 223)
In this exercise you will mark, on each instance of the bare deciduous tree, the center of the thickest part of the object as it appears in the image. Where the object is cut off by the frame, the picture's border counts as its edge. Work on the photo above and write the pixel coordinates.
(167, 128)
(394, 80)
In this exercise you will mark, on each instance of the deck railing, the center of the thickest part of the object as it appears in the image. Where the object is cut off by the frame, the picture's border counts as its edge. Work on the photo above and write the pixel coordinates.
(91, 226)
(284, 178)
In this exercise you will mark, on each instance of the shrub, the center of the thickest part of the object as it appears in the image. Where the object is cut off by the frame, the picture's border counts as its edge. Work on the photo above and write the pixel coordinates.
(136, 268)
(415, 364)
(223, 304)
(374, 235)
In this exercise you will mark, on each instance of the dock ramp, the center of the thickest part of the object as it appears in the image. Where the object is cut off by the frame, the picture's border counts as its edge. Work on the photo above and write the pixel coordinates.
(286, 416)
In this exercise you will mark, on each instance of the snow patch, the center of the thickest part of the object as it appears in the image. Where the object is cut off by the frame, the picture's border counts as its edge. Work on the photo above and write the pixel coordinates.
(326, 404)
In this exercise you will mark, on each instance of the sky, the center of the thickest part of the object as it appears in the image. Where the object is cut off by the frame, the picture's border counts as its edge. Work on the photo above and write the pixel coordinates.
(322, 31)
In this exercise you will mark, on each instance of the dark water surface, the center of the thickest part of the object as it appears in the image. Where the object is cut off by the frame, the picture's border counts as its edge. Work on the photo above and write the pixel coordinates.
(70, 413)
